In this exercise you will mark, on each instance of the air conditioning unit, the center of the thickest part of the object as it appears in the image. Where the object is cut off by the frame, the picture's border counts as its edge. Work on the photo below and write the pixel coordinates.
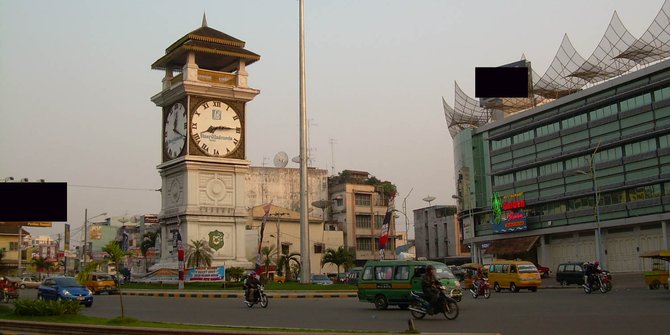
(332, 227)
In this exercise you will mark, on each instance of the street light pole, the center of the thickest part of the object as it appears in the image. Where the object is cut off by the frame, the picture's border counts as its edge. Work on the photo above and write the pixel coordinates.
(596, 209)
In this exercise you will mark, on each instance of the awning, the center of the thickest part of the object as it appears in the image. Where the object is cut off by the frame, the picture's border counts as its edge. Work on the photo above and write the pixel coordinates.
(512, 246)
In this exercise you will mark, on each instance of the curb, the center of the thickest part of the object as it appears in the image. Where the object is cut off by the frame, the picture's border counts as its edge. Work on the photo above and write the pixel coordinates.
(240, 295)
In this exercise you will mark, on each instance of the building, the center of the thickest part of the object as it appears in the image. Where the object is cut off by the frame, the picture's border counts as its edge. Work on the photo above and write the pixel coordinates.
(281, 186)
(9, 244)
(437, 234)
(584, 175)
(358, 207)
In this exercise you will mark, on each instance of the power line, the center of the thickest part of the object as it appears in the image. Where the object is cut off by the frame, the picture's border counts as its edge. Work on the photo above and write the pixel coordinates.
(115, 188)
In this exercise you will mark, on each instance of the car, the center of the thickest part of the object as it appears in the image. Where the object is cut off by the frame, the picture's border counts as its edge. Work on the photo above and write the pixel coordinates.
(354, 275)
(570, 273)
(321, 280)
(342, 278)
(29, 282)
(544, 271)
(62, 288)
(99, 282)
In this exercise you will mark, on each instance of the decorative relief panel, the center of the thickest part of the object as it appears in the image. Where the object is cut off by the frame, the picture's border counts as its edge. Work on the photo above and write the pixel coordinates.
(175, 191)
(215, 189)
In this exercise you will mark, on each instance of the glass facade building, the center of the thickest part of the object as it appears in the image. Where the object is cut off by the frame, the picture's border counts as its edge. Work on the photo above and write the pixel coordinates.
(597, 160)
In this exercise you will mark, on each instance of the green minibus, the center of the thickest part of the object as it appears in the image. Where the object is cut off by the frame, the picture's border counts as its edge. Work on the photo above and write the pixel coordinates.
(389, 282)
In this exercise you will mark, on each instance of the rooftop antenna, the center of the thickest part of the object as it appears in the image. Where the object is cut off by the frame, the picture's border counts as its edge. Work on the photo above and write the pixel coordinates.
(332, 155)
(204, 19)
(428, 199)
(281, 159)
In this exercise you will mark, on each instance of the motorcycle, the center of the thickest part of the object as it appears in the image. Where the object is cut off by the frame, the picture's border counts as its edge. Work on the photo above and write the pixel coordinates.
(481, 289)
(600, 282)
(258, 297)
(419, 306)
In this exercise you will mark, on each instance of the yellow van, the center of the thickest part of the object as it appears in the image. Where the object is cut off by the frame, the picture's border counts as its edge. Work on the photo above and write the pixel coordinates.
(389, 282)
(514, 275)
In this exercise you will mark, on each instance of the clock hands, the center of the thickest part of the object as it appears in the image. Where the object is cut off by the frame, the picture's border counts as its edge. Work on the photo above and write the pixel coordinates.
(212, 129)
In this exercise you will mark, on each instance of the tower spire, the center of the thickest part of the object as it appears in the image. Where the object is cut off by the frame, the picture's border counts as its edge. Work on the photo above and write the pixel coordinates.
(204, 20)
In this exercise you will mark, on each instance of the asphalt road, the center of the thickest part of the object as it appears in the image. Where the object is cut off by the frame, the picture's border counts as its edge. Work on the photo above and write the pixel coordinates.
(550, 311)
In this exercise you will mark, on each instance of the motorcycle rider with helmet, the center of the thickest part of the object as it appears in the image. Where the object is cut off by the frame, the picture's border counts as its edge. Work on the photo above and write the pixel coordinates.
(591, 270)
(431, 287)
(250, 286)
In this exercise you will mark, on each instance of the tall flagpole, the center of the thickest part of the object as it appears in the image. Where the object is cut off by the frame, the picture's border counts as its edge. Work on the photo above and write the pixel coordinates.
(305, 272)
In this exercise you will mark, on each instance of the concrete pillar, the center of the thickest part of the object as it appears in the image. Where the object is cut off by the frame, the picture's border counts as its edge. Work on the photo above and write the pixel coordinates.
(167, 80)
(242, 75)
(190, 70)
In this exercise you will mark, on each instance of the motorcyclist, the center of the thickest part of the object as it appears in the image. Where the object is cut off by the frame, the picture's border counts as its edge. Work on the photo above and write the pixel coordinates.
(478, 279)
(431, 287)
(590, 272)
(250, 286)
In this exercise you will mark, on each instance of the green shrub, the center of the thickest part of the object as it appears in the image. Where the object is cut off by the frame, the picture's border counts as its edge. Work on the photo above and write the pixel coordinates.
(46, 308)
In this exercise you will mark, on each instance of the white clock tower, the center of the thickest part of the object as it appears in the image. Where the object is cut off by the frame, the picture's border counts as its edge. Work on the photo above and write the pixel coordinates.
(203, 169)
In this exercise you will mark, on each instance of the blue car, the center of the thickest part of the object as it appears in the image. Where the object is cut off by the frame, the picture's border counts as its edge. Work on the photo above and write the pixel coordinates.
(58, 288)
(321, 280)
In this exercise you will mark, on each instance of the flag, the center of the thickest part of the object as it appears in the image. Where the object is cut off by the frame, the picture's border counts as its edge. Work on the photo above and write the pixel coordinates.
(180, 255)
(266, 210)
(384, 234)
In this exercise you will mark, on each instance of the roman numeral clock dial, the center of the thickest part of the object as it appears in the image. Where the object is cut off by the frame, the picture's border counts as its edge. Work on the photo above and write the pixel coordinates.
(216, 128)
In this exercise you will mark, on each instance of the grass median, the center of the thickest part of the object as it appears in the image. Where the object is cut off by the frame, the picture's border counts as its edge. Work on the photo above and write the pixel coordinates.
(237, 286)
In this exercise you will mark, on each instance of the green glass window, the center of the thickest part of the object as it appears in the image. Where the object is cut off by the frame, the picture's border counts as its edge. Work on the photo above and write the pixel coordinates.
(581, 203)
(526, 174)
(634, 102)
(612, 198)
(574, 121)
(548, 129)
(664, 141)
(603, 112)
(640, 147)
(575, 162)
(662, 94)
(504, 179)
(505, 142)
(551, 168)
(525, 136)
(608, 155)
(666, 188)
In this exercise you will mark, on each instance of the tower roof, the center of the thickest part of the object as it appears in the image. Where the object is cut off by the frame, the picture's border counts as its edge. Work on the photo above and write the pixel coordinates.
(214, 51)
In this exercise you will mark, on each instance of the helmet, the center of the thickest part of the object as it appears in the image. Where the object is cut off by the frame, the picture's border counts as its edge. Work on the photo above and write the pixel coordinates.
(252, 274)
(596, 263)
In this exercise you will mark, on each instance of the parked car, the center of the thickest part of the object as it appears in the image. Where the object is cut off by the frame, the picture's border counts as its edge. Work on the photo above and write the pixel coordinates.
(58, 288)
(321, 280)
(544, 271)
(354, 275)
(29, 282)
(570, 273)
(99, 282)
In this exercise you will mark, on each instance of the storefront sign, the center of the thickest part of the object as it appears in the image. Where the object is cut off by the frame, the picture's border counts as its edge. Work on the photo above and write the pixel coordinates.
(508, 214)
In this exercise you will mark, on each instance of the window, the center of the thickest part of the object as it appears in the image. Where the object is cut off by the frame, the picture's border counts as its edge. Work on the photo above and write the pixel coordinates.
(339, 202)
(644, 192)
(367, 273)
(363, 199)
(548, 129)
(379, 220)
(364, 243)
(383, 272)
(607, 155)
(612, 198)
(285, 248)
(664, 141)
(402, 272)
(505, 142)
(555, 167)
(363, 221)
(640, 147)
(504, 179)
(575, 162)
(574, 121)
(13, 246)
(581, 203)
(523, 137)
(662, 94)
(635, 102)
(526, 174)
(603, 112)
(318, 248)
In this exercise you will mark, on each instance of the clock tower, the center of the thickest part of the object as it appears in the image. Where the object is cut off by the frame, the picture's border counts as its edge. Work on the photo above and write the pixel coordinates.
(203, 103)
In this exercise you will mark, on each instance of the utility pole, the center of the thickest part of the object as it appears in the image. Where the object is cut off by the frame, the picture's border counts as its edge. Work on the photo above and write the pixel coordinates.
(305, 272)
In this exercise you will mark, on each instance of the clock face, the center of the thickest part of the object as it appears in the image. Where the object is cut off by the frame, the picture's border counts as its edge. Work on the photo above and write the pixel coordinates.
(216, 128)
(174, 134)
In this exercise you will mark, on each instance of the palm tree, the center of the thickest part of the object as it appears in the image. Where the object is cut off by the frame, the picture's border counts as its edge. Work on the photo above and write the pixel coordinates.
(339, 257)
(267, 253)
(115, 256)
(284, 266)
(198, 254)
(148, 242)
(41, 264)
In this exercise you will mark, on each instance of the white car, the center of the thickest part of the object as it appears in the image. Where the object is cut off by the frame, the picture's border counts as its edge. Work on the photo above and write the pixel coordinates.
(29, 282)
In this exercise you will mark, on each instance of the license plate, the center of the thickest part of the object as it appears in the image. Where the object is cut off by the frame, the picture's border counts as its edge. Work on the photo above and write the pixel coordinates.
(80, 298)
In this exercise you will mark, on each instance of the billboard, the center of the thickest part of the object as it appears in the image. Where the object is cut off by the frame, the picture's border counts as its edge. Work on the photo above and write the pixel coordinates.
(36, 202)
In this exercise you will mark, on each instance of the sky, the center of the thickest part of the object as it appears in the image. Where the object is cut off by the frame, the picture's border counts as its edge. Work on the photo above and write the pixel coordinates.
(76, 82)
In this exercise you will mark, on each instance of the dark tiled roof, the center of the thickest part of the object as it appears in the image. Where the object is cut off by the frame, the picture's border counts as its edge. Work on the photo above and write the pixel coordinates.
(10, 228)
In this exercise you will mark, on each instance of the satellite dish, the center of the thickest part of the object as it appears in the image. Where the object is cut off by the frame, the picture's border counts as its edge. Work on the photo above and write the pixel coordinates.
(281, 159)
(296, 159)
(428, 199)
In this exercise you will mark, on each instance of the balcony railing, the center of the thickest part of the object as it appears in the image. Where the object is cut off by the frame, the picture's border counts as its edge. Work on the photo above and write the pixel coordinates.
(209, 76)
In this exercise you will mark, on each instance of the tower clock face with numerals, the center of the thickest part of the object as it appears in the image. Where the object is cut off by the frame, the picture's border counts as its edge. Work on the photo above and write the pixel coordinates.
(216, 128)
(174, 136)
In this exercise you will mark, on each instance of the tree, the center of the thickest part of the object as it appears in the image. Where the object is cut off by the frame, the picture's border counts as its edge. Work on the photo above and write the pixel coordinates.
(115, 256)
(198, 254)
(267, 253)
(284, 266)
(148, 242)
(339, 257)
(41, 264)
(235, 273)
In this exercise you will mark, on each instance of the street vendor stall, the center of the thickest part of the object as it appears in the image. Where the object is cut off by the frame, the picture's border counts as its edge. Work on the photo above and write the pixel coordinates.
(658, 275)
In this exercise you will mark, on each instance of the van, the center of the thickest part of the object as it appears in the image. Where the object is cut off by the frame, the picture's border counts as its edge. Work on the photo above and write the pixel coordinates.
(514, 275)
(354, 275)
(389, 282)
(99, 282)
(570, 273)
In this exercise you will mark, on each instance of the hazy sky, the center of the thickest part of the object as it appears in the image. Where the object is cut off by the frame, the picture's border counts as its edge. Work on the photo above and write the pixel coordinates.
(75, 83)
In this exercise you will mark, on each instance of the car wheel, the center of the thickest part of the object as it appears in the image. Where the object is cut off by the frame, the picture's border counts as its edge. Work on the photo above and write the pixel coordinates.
(513, 288)
(496, 287)
(564, 283)
(380, 302)
(23, 286)
(533, 289)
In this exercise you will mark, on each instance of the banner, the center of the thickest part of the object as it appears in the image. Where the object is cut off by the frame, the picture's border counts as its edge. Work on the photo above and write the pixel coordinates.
(384, 234)
(266, 210)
